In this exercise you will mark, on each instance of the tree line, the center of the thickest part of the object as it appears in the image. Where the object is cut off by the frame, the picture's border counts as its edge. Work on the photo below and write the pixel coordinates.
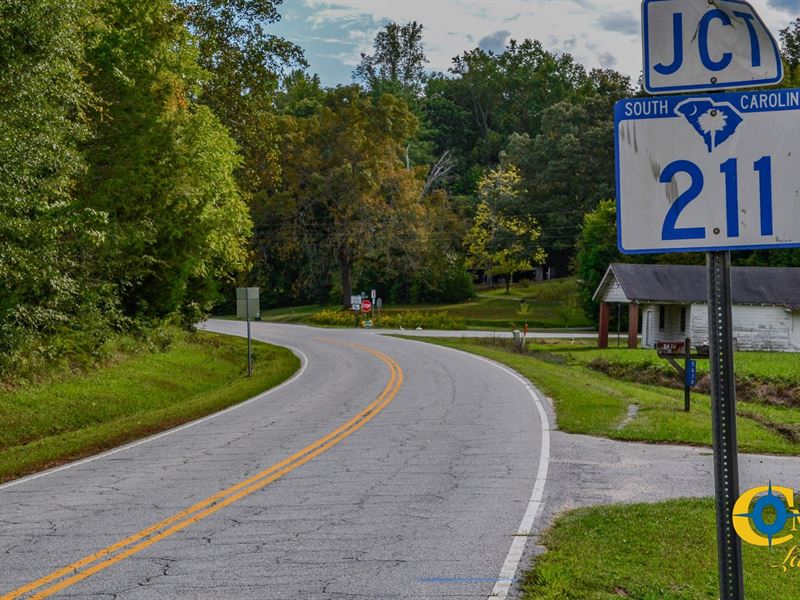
(132, 136)
(153, 155)
(417, 182)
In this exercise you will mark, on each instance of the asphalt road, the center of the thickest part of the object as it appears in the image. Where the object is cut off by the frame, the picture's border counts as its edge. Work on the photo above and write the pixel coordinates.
(385, 469)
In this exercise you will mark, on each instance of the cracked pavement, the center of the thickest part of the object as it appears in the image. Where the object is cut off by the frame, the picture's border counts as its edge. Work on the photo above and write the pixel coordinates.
(430, 490)
(421, 502)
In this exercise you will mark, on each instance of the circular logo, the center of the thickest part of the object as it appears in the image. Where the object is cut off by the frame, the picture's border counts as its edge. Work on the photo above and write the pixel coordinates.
(754, 521)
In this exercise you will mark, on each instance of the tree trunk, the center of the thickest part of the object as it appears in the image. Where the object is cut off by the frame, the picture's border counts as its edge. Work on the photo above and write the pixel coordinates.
(508, 282)
(347, 283)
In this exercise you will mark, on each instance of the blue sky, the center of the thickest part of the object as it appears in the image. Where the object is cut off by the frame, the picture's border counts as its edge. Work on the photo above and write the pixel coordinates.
(598, 33)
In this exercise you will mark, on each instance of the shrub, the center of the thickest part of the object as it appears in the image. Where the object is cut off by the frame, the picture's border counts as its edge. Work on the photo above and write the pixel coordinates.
(333, 317)
(406, 320)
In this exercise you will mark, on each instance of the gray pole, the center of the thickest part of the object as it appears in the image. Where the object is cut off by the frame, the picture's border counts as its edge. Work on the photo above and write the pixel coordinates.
(249, 340)
(723, 417)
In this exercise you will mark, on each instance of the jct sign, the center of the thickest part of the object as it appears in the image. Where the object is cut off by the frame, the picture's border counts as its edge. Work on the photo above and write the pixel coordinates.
(699, 45)
(708, 173)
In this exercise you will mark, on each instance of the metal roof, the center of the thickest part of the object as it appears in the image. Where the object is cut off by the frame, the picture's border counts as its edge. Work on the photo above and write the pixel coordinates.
(687, 283)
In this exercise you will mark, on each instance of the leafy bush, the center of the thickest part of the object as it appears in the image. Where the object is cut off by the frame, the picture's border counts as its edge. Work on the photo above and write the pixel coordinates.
(450, 282)
(406, 320)
(333, 317)
(414, 319)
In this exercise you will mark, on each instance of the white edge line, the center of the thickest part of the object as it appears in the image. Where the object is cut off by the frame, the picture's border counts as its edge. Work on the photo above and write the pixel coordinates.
(298, 353)
(507, 573)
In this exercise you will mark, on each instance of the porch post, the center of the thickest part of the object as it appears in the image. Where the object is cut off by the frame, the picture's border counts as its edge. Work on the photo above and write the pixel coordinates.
(633, 324)
(605, 316)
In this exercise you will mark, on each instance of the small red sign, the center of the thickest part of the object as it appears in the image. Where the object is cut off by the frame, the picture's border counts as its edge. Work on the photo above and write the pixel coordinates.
(366, 305)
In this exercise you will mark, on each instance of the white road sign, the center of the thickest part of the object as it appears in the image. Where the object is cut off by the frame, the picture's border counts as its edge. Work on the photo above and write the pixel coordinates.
(692, 45)
(705, 173)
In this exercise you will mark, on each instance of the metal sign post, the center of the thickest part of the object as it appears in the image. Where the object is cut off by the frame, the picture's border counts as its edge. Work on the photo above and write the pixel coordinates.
(249, 345)
(247, 307)
(710, 173)
(723, 418)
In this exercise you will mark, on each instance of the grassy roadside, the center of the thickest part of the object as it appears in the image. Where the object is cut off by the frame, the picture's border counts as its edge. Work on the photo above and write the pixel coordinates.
(590, 402)
(647, 552)
(78, 415)
(553, 304)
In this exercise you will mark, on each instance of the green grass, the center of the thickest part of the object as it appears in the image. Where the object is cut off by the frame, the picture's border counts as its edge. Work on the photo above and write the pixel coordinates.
(664, 551)
(778, 366)
(549, 304)
(80, 414)
(592, 403)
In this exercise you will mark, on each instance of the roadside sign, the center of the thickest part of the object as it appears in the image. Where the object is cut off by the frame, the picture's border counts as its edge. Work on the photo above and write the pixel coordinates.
(691, 45)
(378, 303)
(373, 295)
(691, 372)
(366, 305)
(708, 173)
(247, 303)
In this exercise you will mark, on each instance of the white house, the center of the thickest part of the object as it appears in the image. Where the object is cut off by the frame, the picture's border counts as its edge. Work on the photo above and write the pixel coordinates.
(672, 302)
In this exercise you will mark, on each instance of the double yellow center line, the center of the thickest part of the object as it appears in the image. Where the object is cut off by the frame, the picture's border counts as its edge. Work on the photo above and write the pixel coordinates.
(93, 563)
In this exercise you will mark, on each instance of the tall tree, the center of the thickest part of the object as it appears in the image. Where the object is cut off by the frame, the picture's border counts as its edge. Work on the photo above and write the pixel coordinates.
(398, 62)
(344, 180)
(508, 91)
(160, 166)
(568, 167)
(597, 248)
(790, 52)
(44, 237)
(244, 64)
(499, 243)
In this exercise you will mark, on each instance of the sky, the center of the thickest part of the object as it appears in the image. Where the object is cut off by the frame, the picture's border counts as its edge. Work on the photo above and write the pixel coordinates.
(597, 33)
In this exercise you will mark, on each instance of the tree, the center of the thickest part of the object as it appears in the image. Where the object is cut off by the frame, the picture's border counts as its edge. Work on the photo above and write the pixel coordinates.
(497, 242)
(160, 166)
(344, 184)
(45, 239)
(398, 63)
(243, 64)
(492, 96)
(790, 49)
(569, 166)
(597, 249)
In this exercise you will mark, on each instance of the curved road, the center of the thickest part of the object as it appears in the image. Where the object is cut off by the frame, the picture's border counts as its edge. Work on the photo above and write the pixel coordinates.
(385, 469)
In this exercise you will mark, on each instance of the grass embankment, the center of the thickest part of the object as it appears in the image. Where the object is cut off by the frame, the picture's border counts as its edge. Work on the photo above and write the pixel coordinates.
(647, 552)
(545, 304)
(138, 393)
(590, 402)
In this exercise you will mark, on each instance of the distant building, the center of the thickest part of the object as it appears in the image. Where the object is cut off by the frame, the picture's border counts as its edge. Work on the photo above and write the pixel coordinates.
(671, 300)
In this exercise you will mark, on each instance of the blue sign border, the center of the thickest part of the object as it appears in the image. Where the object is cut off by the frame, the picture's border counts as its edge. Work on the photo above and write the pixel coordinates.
(705, 86)
(789, 94)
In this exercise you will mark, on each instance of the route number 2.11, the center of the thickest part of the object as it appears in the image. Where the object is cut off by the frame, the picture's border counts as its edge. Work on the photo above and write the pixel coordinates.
(729, 169)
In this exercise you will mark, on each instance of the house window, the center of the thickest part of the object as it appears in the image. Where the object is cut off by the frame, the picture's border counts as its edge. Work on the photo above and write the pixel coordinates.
(662, 313)
(683, 319)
